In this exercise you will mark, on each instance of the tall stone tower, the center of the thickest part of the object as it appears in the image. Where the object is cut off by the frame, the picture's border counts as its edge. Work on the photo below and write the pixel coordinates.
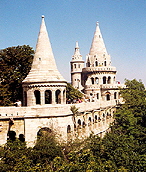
(44, 84)
(77, 64)
(99, 77)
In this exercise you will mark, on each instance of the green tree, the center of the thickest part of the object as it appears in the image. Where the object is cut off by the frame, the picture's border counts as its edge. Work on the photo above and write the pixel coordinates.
(72, 93)
(15, 63)
(125, 146)
(15, 157)
(46, 149)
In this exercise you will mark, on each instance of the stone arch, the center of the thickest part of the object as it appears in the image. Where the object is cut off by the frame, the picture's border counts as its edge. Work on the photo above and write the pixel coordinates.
(11, 135)
(108, 96)
(58, 96)
(44, 131)
(109, 80)
(48, 97)
(22, 137)
(104, 80)
(37, 97)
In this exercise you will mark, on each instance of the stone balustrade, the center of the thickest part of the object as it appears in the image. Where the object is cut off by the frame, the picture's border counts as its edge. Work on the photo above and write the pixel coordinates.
(97, 69)
(49, 110)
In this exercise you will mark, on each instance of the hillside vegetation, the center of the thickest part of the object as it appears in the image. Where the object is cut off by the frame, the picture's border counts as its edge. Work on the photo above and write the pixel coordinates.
(121, 150)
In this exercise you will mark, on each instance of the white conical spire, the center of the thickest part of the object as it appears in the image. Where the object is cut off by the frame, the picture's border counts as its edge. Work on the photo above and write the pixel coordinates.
(43, 67)
(77, 55)
(98, 46)
(98, 53)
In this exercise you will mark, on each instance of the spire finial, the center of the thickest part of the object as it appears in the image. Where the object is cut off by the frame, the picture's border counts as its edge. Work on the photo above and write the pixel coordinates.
(97, 23)
(77, 45)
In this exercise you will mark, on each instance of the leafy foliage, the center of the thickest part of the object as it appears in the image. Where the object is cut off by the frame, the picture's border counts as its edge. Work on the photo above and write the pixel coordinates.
(15, 63)
(72, 93)
(121, 150)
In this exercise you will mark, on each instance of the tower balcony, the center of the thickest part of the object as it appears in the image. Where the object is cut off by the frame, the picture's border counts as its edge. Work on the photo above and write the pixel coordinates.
(99, 69)
(111, 86)
(91, 87)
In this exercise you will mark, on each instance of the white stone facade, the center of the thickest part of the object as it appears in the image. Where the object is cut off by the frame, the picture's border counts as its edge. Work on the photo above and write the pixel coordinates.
(98, 77)
(44, 95)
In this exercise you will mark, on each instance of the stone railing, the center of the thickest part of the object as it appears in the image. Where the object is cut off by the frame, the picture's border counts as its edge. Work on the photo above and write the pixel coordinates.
(49, 110)
(90, 69)
(108, 86)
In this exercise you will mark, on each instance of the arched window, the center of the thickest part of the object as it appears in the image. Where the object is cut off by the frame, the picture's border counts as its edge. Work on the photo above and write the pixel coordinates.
(37, 97)
(104, 80)
(25, 98)
(90, 119)
(92, 80)
(79, 65)
(104, 63)
(115, 95)
(83, 124)
(68, 129)
(58, 96)
(48, 97)
(71, 67)
(95, 118)
(97, 80)
(79, 122)
(88, 64)
(75, 65)
(114, 79)
(97, 95)
(108, 97)
(109, 80)
(96, 63)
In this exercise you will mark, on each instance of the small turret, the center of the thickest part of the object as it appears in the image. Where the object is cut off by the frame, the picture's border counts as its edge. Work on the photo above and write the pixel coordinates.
(77, 64)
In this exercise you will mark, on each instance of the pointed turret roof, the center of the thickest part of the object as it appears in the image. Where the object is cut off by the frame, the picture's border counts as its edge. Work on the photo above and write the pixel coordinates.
(77, 56)
(43, 67)
(97, 46)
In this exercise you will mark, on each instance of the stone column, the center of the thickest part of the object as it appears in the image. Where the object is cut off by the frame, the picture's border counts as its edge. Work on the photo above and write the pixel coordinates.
(30, 97)
(62, 97)
(42, 97)
(53, 97)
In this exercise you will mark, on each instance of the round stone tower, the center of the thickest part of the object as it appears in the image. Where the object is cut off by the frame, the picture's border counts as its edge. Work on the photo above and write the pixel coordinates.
(77, 64)
(99, 77)
(44, 84)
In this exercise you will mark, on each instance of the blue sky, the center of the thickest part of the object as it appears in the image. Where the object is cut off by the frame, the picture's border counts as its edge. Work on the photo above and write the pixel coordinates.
(122, 23)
